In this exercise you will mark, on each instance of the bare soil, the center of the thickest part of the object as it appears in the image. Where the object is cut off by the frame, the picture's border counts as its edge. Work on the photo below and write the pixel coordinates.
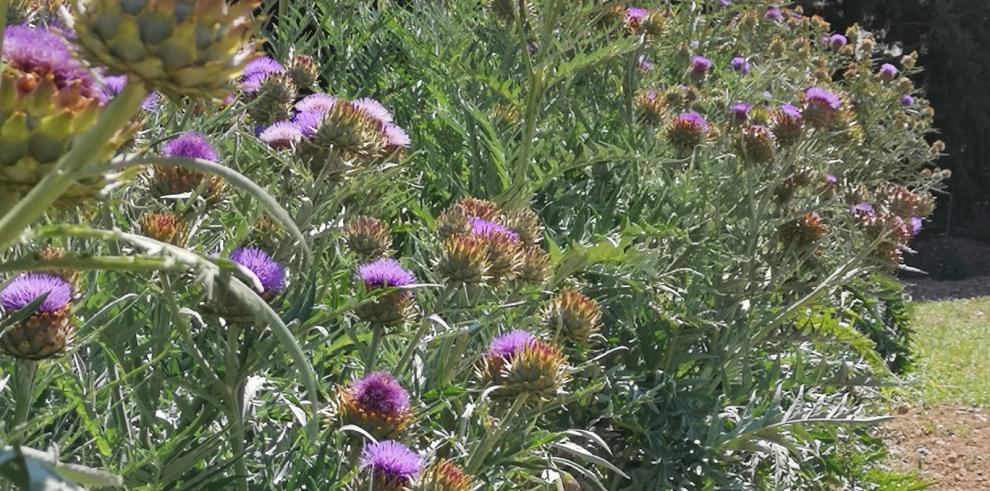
(950, 445)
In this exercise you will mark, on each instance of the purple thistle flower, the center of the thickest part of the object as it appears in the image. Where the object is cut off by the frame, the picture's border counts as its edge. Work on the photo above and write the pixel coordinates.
(384, 273)
(487, 228)
(774, 14)
(916, 224)
(888, 71)
(114, 84)
(380, 392)
(740, 111)
(270, 273)
(645, 65)
(836, 41)
(282, 134)
(635, 14)
(43, 52)
(694, 119)
(396, 137)
(256, 71)
(864, 209)
(391, 461)
(27, 287)
(308, 122)
(740, 65)
(318, 103)
(790, 111)
(510, 343)
(700, 65)
(818, 96)
(191, 145)
(907, 100)
(725, 3)
(373, 109)
(831, 180)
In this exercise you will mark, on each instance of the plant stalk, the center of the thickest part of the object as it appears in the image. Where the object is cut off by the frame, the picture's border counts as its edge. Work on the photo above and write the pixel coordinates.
(23, 394)
(486, 446)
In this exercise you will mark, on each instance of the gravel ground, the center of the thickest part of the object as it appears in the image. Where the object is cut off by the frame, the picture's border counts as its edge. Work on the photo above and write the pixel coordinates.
(948, 444)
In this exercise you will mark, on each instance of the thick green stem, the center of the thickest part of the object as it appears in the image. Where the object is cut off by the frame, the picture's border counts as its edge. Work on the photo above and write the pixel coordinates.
(372, 356)
(481, 453)
(235, 405)
(85, 150)
(23, 393)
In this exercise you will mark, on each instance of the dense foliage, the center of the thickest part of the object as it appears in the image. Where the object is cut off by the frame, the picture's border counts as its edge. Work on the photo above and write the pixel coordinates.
(952, 39)
(451, 246)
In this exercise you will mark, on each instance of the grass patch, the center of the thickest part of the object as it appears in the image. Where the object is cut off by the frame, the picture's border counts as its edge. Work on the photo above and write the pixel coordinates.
(952, 343)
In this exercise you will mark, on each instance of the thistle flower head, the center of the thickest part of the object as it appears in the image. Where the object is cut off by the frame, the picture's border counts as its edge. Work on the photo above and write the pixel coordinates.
(114, 84)
(537, 370)
(164, 226)
(380, 392)
(384, 273)
(526, 224)
(191, 145)
(302, 71)
(444, 475)
(28, 287)
(478, 208)
(836, 41)
(740, 65)
(821, 107)
(464, 259)
(817, 96)
(740, 111)
(788, 124)
(45, 53)
(807, 229)
(488, 229)
(391, 464)
(509, 344)
(281, 135)
(863, 210)
(774, 13)
(907, 100)
(756, 143)
(317, 103)
(373, 109)
(257, 71)
(49, 329)
(572, 315)
(308, 122)
(700, 66)
(535, 264)
(687, 131)
(396, 138)
(888, 71)
(635, 16)
(270, 273)
(916, 225)
(368, 237)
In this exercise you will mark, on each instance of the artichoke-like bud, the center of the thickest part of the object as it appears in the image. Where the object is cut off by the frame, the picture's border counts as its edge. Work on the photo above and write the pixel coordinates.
(377, 403)
(52, 252)
(464, 260)
(368, 237)
(179, 47)
(302, 71)
(169, 180)
(266, 234)
(165, 226)
(891, 232)
(788, 125)
(538, 371)
(505, 10)
(687, 131)
(453, 221)
(681, 97)
(47, 331)
(526, 224)
(652, 105)
(273, 100)
(388, 466)
(904, 203)
(522, 364)
(807, 229)
(479, 208)
(756, 144)
(504, 115)
(444, 475)
(46, 98)
(572, 315)
(653, 24)
(535, 264)
(345, 138)
(822, 108)
(391, 309)
(504, 248)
